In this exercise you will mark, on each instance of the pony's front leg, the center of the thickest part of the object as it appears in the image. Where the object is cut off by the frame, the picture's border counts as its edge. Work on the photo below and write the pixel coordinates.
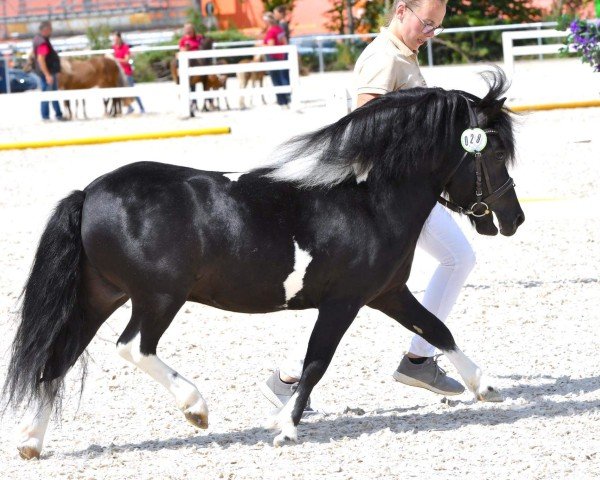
(402, 306)
(335, 316)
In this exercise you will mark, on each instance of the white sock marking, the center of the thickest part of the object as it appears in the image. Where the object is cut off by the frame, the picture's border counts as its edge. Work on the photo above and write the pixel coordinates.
(295, 280)
(470, 372)
(187, 396)
(286, 424)
(33, 428)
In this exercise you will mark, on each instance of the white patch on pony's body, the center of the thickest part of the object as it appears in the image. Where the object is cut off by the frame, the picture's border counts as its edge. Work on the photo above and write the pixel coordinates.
(283, 421)
(295, 280)
(187, 397)
(234, 176)
(32, 431)
(473, 377)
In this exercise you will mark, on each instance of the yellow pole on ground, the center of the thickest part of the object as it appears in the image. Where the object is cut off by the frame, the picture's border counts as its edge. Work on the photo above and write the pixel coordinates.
(115, 138)
(555, 106)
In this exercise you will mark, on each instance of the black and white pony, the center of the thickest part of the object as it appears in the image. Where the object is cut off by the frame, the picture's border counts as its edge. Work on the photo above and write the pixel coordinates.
(332, 225)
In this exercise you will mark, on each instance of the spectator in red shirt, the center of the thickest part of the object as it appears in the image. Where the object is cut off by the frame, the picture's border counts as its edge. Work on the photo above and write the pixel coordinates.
(47, 66)
(123, 56)
(275, 35)
(190, 41)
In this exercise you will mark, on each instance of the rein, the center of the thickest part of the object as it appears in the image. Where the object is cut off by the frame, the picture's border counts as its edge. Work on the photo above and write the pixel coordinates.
(481, 207)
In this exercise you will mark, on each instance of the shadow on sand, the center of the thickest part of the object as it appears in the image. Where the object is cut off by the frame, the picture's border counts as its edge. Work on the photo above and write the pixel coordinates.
(325, 428)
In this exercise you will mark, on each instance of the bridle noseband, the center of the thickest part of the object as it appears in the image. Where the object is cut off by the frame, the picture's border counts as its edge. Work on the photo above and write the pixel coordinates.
(482, 205)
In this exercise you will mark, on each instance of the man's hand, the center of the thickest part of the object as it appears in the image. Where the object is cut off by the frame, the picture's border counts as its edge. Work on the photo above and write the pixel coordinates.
(49, 79)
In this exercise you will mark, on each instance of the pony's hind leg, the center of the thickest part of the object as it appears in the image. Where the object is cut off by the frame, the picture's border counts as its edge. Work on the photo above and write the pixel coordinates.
(403, 307)
(32, 430)
(150, 318)
(99, 301)
(334, 319)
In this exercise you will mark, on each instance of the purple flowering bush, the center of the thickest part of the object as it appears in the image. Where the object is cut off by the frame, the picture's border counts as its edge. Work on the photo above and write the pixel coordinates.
(584, 38)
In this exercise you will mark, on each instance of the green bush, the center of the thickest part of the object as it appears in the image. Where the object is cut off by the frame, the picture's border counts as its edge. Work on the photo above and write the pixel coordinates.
(99, 37)
(231, 35)
(154, 66)
(347, 54)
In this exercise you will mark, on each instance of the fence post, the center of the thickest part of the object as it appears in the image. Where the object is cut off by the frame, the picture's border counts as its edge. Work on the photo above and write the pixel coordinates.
(320, 53)
(293, 61)
(184, 83)
(540, 55)
(507, 44)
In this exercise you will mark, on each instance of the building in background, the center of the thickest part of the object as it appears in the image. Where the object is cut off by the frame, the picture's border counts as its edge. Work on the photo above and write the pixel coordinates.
(20, 18)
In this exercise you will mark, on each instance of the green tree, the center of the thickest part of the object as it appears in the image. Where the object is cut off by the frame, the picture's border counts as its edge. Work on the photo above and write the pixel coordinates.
(271, 4)
(495, 12)
(566, 7)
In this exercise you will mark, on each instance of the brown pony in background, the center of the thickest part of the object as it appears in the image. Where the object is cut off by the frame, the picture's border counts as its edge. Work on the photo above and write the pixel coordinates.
(99, 71)
(208, 82)
(252, 79)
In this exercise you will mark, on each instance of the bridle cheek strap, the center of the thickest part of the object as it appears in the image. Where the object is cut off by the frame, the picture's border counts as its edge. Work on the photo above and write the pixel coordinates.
(481, 207)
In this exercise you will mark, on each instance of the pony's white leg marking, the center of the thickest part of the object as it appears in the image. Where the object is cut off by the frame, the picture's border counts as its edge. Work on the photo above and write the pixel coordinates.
(295, 280)
(234, 176)
(32, 431)
(283, 421)
(187, 397)
(478, 383)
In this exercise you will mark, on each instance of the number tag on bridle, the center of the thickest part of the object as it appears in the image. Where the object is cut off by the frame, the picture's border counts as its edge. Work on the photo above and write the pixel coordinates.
(473, 140)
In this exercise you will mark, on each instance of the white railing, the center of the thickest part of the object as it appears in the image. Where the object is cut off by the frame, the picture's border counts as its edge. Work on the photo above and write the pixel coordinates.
(87, 93)
(186, 71)
(510, 51)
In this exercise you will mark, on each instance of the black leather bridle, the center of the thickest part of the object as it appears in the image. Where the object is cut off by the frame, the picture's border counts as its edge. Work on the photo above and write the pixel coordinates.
(481, 207)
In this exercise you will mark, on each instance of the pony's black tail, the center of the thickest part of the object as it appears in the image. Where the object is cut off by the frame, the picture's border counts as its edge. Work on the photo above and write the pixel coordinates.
(48, 339)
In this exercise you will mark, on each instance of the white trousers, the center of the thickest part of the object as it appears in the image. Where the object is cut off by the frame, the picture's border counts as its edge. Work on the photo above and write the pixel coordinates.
(443, 239)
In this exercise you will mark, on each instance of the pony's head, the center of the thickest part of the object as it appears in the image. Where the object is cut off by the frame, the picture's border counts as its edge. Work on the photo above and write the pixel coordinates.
(414, 134)
(479, 184)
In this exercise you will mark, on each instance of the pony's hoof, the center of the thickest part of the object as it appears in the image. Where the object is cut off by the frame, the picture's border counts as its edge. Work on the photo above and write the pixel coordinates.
(27, 453)
(197, 414)
(199, 420)
(489, 394)
(285, 439)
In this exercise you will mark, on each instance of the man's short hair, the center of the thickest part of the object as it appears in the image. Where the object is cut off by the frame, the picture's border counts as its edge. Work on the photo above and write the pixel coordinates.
(45, 24)
(280, 9)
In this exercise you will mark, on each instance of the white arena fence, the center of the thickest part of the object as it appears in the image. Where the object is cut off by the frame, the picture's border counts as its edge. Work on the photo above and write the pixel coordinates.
(186, 71)
(510, 51)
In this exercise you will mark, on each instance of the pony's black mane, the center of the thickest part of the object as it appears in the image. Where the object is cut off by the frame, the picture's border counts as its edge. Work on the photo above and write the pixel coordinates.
(394, 135)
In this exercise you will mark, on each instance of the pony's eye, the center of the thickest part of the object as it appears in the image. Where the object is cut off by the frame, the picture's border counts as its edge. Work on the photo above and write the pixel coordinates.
(500, 155)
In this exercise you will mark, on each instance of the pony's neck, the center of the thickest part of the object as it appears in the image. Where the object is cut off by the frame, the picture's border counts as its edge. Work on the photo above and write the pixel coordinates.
(405, 203)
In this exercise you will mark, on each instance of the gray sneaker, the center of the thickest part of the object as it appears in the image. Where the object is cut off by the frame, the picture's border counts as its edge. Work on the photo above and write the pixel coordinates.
(279, 392)
(427, 375)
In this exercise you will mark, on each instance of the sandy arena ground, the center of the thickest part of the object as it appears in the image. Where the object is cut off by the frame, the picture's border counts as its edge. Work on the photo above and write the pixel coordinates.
(528, 316)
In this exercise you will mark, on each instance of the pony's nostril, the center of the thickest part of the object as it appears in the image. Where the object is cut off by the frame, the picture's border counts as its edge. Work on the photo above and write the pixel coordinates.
(520, 219)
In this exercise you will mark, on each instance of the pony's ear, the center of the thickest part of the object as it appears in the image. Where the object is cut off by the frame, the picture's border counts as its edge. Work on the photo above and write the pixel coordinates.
(491, 108)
